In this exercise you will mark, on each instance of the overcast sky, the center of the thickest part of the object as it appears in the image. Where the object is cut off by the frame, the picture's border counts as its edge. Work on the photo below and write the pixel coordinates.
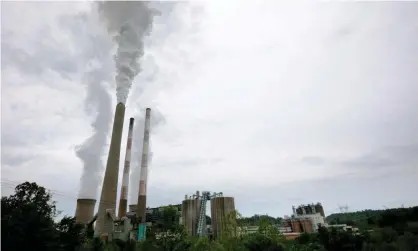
(274, 104)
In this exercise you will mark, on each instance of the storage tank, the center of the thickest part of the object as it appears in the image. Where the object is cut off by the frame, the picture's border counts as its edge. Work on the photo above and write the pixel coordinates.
(223, 215)
(190, 210)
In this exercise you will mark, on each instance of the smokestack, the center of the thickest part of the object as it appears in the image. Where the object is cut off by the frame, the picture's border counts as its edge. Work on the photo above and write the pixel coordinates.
(142, 195)
(84, 210)
(110, 181)
(123, 201)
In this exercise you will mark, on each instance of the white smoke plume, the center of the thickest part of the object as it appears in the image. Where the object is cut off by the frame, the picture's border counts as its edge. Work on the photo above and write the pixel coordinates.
(97, 104)
(128, 22)
(91, 151)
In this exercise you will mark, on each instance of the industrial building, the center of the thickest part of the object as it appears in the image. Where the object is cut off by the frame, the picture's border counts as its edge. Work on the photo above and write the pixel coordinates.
(106, 219)
(194, 214)
(306, 218)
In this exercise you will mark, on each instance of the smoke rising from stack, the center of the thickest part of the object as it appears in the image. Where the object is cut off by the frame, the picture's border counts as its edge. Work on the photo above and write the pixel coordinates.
(128, 22)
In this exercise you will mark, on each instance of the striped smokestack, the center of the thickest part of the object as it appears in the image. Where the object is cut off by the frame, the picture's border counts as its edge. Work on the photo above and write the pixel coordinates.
(123, 202)
(142, 195)
(110, 181)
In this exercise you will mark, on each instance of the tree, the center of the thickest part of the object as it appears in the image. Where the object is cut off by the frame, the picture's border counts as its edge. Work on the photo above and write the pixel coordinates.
(28, 222)
(27, 217)
(69, 233)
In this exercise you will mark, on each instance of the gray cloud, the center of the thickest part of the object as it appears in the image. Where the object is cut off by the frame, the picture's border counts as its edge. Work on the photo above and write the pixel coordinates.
(313, 160)
(322, 109)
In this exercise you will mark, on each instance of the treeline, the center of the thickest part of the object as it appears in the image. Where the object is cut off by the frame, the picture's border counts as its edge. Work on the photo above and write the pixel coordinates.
(398, 218)
(257, 219)
(28, 224)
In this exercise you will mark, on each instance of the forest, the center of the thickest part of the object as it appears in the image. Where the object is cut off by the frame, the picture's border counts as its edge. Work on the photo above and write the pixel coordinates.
(29, 223)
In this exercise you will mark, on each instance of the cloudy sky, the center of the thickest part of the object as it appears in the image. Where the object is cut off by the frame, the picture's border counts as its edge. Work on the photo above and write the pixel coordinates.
(274, 104)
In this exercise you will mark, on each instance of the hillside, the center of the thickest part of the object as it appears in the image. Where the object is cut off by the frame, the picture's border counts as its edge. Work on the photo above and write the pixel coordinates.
(375, 218)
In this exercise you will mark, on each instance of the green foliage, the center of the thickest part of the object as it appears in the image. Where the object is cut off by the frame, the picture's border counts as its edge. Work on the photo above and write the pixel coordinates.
(369, 219)
(28, 219)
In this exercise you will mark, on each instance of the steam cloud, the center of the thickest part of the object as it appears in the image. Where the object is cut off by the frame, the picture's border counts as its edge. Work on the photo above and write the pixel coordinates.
(91, 151)
(128, 23)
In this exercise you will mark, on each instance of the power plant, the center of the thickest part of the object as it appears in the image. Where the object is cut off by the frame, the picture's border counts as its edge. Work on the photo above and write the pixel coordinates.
(106, 218)
(132, 222)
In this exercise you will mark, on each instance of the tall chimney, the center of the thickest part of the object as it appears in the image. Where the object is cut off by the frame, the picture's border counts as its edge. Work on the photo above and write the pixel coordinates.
(123, 201)
(84, 210)
(110, 181)
(142, 195)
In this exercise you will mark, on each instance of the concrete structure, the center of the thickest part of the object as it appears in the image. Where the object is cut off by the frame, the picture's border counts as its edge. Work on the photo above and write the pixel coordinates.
(223, 215)
(299, 225)
(143, 176)
(309, 209)
(110, 182)
(84, 210)
(122, 229)
(316, 220)
(132, 208)
(123, 200)
(319, 209)
(190, 210)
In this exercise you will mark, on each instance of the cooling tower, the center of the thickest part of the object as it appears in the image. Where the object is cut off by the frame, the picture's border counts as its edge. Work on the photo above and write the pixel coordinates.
(223, 215)
(123, 201)
(84, 210)
(143, 176)
(190, 215)
(110, 181)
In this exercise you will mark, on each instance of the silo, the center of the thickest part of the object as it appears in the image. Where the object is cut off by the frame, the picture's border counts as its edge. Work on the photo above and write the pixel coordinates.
(223, 215)
(319, 209)
(190, 210)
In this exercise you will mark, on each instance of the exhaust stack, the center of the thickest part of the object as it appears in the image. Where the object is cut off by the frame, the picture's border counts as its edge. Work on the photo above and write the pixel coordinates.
(84, 210)
(110, 181)
(142, 195)
(123, 201)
